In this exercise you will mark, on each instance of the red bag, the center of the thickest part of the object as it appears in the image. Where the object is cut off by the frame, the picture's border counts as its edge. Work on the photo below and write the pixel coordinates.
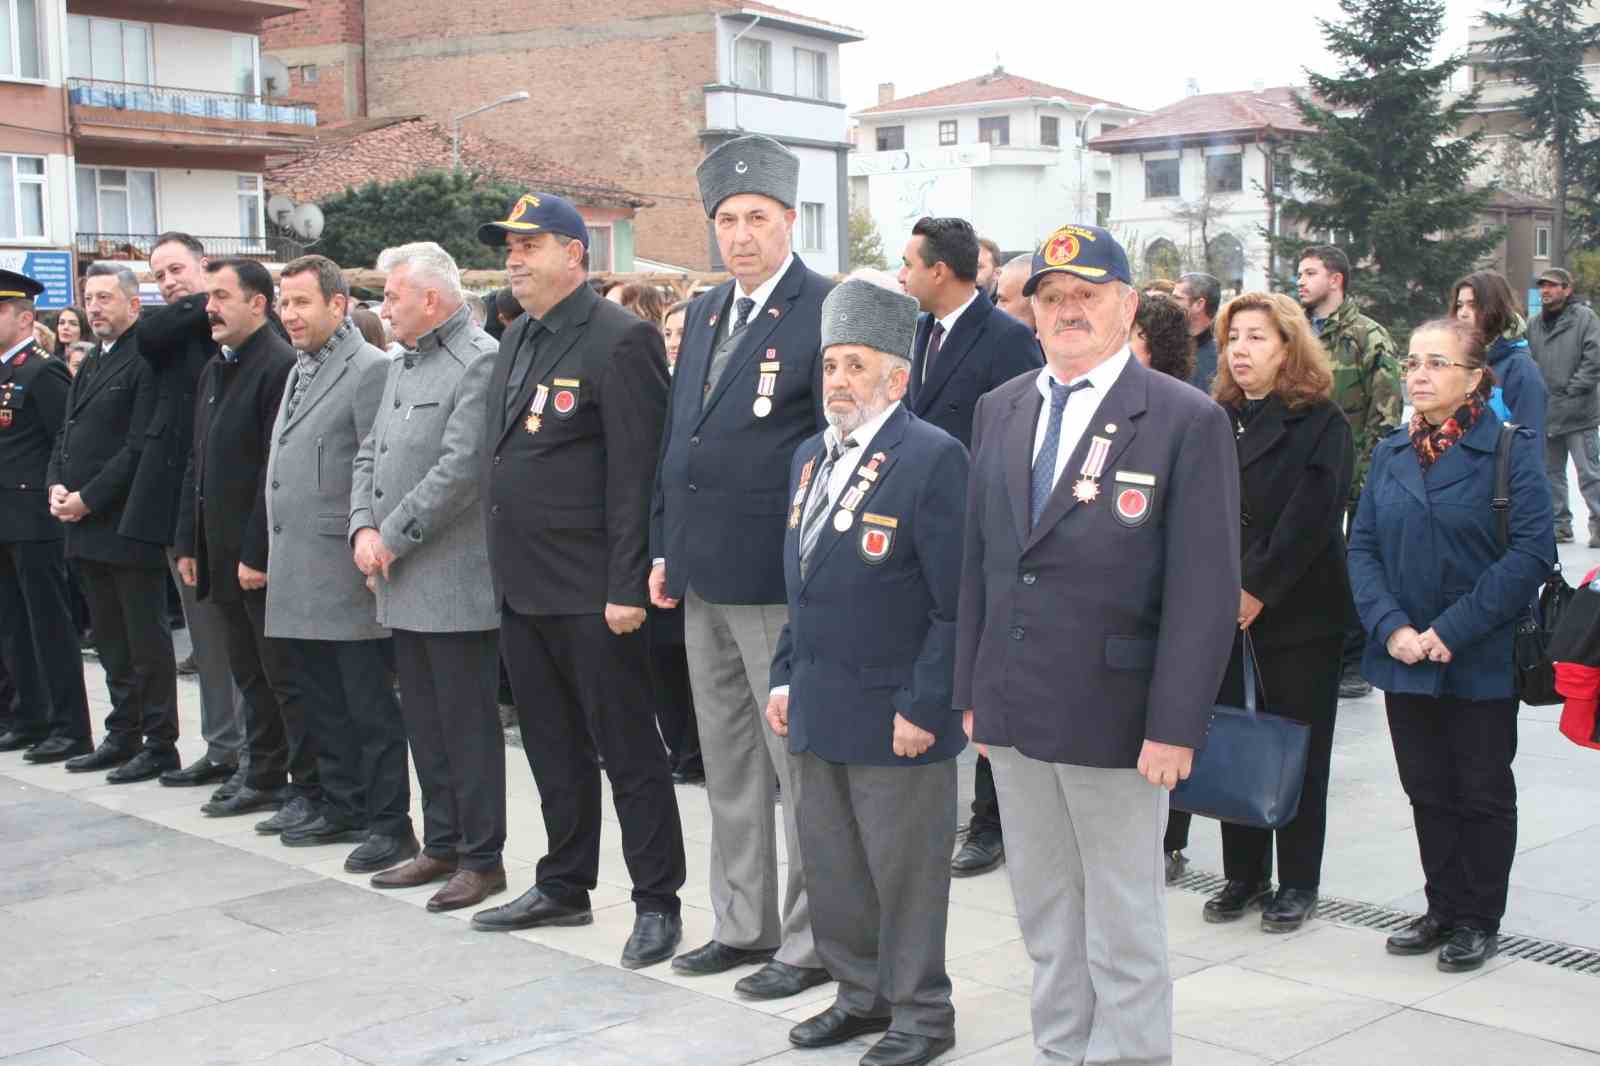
(1581, 687)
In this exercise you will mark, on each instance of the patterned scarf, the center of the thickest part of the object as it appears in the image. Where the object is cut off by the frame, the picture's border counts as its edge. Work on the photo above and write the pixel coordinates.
(1432, 441)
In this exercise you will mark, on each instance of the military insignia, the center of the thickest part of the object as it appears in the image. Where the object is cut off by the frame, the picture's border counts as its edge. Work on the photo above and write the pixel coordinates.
(1087, 488)
(565, 399)
(800, 493)
(712, 321)
(1135, 497)
(6, 415)
(541, 396)
(767, 384)
(877, 538)
(774, 312)
(1061, 249)
(741, 167)
(856, 494)
(518, 219)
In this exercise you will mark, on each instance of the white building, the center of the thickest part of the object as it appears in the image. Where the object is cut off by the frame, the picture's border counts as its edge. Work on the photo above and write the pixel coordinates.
(1002, 151)
(1206, 158)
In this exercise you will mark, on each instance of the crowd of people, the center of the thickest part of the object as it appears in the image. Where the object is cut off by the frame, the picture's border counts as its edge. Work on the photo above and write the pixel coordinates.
(802, 540)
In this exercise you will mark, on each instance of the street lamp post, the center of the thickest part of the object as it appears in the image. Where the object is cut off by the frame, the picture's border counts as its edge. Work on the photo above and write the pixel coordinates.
(1083, 147)
(455, 123)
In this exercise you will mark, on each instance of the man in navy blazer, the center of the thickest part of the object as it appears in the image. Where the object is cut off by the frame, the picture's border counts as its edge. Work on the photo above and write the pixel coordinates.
(964, 347)
(861, 684)
(1099, 599)
(744, 394)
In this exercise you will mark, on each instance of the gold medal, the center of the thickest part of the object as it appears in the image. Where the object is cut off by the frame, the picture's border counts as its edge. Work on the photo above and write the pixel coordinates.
(532, 423)
(1086, 490)
(762, 407)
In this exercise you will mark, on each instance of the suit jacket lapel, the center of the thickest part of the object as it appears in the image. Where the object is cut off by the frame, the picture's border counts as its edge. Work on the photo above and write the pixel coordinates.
(1018, 457)
(552, 350)
(334, 367)
(919, 344)
(110, 364)
(886, 440)
(500, 378)
(955, 348)
(1263, 434)
(756, 333)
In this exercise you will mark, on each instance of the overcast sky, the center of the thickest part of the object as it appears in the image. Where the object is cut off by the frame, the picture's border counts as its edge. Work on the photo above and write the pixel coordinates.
(1135, 52)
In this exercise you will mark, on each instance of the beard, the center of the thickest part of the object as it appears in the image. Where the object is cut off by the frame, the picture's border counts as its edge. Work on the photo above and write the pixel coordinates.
(847, 422)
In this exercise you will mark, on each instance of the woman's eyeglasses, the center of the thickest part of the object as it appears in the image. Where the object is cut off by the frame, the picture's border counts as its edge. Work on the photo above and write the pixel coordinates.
(1435, 364)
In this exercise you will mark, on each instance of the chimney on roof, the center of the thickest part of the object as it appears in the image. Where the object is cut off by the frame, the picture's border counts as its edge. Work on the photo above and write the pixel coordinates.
(886, 92)
(1191, 87)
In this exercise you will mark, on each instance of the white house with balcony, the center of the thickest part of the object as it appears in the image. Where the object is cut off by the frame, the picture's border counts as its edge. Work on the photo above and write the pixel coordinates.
(1004, 152)
(778, 75)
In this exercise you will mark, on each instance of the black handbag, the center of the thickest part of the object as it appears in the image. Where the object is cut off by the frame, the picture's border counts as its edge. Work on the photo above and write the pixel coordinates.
(1531, 658)
(1253, 765)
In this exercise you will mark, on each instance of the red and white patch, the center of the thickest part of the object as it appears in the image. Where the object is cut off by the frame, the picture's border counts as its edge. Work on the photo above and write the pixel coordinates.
(1133, 505)
(876, 544)
(565, 400)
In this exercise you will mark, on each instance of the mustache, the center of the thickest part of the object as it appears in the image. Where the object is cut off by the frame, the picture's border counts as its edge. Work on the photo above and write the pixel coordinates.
(216, 320)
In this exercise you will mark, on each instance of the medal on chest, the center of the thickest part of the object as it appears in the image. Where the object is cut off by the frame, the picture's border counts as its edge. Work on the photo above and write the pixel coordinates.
(856, 494)
(800, 493)
(8, 403)
(1087, 488)
(767, 384)
(535, 419)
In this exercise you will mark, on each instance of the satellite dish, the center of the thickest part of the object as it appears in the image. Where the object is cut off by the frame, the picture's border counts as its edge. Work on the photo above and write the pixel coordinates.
(278, 209)
(274, 77)
(306, 221)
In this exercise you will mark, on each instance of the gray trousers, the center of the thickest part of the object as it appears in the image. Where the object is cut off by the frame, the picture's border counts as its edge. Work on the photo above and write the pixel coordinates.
(1083, 849)
(877, 841)
(730, 662)
(1583, 446)
(221, 705)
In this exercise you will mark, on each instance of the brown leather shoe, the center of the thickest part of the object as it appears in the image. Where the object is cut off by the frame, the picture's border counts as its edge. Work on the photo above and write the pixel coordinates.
(422, 870)
(468, 888)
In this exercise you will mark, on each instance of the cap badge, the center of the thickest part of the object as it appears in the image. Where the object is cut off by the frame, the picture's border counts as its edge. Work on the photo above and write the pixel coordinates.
(740, 167)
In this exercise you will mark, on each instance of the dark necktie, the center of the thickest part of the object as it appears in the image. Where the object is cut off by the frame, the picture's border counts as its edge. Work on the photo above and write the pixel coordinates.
(724, 351)
(818, 505)
(1044, 466)
(935, 339)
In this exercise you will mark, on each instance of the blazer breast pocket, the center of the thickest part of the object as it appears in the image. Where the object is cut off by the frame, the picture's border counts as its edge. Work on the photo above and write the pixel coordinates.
(333, 525)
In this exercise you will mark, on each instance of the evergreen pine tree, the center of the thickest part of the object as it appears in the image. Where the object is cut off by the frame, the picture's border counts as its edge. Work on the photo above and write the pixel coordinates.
(443, 206)
(1386, 174)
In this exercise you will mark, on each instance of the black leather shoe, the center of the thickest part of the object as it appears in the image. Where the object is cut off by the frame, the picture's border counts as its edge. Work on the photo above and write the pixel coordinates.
(232, 785)
(55, 749)
(200, 772)
(717, 957)
(149, 763)
(1467, 949)
(109, 754)
(380, 852)
(1288, 910)
(245, 801)
(1352, 686)
(295, 812)
(654, 938)
(1177, 864)
(689, 775)
(779, 980)
(1418, 938)
(320, 831)
(906, 1049)
(1235, 898)
(531, 909)
(19, 740)
(981, 853)
(834, 1026)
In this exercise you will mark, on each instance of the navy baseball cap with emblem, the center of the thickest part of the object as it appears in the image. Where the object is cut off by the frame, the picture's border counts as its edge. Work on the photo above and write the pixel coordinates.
(534, 213)
(14, 286)
(1088, 252)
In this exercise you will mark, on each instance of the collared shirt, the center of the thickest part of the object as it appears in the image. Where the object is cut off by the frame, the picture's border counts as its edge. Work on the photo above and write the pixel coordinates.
(5, 357)
(308, 363)
(947, 324)
(1080, 408)
(554, 321)
(762, 294)
(845, 468)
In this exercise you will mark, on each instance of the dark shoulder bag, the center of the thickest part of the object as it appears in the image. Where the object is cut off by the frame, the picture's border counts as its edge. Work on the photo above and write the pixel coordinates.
(1530, 649)
(1253, 765)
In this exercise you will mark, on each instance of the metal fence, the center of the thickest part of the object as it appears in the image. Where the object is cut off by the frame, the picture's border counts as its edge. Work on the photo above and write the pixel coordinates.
(161, 100)
(139, 245)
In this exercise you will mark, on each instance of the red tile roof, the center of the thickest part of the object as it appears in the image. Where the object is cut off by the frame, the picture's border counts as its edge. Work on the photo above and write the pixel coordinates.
(996, 85)
(1209, 115)
(393, 149)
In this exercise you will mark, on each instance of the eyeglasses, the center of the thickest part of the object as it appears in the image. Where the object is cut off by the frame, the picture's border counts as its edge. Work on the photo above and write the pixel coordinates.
(1436, 365)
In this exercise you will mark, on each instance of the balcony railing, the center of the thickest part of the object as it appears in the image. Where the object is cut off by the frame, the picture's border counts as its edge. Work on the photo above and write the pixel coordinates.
(157, 105)
(137, 246)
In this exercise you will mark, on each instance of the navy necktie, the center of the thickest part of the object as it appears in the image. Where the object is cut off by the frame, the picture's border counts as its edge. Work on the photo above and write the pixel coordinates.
(1044, 466)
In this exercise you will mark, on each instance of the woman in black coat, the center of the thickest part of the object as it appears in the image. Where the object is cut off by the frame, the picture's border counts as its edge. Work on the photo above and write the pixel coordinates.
(1295, 464)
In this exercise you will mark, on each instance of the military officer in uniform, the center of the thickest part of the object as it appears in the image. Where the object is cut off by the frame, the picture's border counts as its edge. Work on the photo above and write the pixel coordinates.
(744, 395)
(1099, 596)
(38, 642)
(576, 405)
(861, 683)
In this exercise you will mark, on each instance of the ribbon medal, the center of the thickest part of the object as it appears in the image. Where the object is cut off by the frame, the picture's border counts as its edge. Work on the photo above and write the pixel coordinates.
(800, 493)
(1087, 488)
(7, 399)
(856, 494)
(541, 396)
(767, 384)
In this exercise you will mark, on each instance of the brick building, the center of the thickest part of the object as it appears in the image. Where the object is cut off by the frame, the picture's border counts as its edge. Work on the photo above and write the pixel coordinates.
(634, 90)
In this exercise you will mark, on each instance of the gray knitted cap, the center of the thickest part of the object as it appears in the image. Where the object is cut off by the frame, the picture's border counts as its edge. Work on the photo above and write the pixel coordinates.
(859, 312)
(749, 164)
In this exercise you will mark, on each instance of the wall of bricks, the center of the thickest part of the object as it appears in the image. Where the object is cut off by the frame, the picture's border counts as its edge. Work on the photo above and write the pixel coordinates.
(330, 35)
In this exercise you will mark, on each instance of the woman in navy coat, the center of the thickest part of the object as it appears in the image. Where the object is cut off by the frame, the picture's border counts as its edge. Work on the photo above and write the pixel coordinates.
(1484, 299)
(1439, 601)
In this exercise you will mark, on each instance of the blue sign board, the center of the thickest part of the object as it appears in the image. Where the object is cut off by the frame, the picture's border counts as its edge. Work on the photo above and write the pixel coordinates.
(53, 270)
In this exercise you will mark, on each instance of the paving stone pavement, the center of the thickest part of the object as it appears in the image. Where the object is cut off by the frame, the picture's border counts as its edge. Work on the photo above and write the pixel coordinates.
(133, 930)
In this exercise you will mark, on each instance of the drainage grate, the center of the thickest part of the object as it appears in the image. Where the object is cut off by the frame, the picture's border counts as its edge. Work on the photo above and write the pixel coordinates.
(1367, 916)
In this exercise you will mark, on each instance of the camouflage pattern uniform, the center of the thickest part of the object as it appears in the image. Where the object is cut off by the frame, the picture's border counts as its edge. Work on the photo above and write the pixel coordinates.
(1366, 382)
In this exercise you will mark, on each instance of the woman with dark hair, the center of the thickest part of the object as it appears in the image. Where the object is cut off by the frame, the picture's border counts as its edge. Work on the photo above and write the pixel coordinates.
(371, 327)
(672, 331)
(1160, 337)
(1295, 463)
(71, 325)
(1485, 300)
(1439, 597)
(646, 301)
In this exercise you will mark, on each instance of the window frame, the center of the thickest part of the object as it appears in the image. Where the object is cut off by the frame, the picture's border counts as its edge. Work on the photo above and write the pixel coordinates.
(878, 138)
(808, 208)
(18, 180)
(818, 62)
(1213, 187)
(88, 21)
(990, 124)
(1102, 209)
(243, 194)
(610, 234)
(953, 128)
(1541, 237)
(155, 198)
(1177, 179)
(764, 71)
(1051, 123)
(41, 51)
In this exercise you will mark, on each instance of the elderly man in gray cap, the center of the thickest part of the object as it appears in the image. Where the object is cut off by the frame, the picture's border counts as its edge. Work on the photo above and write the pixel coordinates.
(746, 393)
(861, 683)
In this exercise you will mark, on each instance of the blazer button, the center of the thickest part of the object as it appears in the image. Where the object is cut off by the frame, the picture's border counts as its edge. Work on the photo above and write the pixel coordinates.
(277, 529)
(274, 484)
(1016, 632)
(377, 494)
(497, 459)
(383, 449)
(802, 601)
(397, 405)
(694, 441)
(495, 510)
(1030, 578)
(694, 488)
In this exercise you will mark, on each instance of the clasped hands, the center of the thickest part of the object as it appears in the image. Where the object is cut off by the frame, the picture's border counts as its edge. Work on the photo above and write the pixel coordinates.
(910, 739)
(67, 506)
(1411, 647)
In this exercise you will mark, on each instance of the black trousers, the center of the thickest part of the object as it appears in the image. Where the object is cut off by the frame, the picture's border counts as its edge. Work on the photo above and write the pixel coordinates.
(134, 638)
(580, 688)
(447, 701)
(985, 803)
(1302, 683)
(39, 643)
(355, 729)
(1454, 758)
(1355, 634)
(280, 750)
(674, 702)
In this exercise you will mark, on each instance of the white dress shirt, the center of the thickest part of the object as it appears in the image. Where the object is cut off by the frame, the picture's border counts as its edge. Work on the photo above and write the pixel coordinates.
(5, 357)
(1080, 409)
(762, 294)
(949, 324)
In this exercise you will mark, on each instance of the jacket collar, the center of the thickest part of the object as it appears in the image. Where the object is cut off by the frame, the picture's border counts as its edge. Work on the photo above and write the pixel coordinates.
(444, 333)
